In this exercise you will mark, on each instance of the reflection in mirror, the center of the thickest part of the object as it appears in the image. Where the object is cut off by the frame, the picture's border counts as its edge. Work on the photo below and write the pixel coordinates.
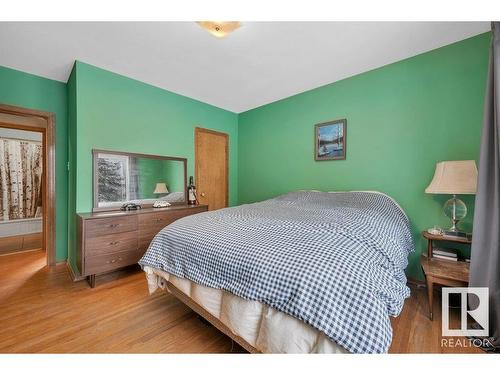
(121, 178)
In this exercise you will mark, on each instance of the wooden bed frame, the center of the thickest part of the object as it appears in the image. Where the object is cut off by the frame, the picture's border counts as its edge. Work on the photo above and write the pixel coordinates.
(210, 318)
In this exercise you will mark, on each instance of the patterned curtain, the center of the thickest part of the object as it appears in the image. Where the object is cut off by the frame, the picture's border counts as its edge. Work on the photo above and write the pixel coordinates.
(20, 178)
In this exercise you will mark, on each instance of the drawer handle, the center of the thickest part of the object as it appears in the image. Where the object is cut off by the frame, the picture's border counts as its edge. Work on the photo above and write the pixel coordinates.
(115, 260)
(114, 243)
(158, 220)
(113, 225)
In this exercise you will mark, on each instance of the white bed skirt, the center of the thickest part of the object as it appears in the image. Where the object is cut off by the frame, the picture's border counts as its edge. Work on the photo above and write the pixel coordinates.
(263, 327)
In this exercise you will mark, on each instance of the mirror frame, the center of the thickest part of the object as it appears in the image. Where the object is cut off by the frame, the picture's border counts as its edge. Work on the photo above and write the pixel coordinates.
(95, 192)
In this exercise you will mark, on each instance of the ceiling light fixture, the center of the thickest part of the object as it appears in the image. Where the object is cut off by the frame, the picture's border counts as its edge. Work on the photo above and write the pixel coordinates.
(218, 28)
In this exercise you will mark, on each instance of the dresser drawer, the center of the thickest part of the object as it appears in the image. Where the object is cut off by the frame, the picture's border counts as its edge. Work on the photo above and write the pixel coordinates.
(163, 218)
(155, 219)
(150, 224)
(109, 262)
(194, 210)
(108, 241)
(111, 243)
(100, 227)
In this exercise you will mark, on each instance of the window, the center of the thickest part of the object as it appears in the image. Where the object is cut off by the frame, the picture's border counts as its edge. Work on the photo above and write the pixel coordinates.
(114, 179)
(21, 164)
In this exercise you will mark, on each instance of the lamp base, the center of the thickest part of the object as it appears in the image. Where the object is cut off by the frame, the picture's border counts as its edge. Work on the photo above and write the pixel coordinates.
(456, 210)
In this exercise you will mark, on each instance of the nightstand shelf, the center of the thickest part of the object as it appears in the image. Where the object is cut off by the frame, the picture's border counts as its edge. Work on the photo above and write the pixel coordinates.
(440, 271)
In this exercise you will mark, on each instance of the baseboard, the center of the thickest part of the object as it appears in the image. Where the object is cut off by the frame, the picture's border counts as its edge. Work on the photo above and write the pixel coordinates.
(14, 252)
(19, 243)
(75, 275)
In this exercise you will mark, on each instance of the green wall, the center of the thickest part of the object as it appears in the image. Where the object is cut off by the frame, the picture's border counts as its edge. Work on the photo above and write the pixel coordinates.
(118, 113)
(153, 171)
(150, 171)
(72, 146)
(401, 119)
(113, 112)
(171, 172)
(29, 91)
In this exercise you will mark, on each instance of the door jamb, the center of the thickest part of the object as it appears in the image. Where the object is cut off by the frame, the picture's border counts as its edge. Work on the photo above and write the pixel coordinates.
(48, 136)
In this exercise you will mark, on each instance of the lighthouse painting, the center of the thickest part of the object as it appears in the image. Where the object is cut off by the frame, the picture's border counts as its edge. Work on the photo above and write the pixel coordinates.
(330, 140)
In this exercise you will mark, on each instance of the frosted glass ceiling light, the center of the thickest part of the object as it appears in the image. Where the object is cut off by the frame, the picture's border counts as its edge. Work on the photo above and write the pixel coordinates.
(218, 28)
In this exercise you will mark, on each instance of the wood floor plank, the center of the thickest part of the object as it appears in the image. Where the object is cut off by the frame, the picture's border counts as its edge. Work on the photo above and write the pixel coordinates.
(43, 311)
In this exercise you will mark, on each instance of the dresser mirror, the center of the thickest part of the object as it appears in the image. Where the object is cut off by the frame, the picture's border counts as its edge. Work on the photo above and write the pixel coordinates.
(123, 177)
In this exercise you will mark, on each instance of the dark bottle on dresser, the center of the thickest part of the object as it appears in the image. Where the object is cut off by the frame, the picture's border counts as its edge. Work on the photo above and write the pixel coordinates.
(192, 200)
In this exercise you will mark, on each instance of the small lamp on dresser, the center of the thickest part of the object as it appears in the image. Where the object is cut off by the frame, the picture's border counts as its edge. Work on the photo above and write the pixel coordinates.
(454, 177)
(161, 188)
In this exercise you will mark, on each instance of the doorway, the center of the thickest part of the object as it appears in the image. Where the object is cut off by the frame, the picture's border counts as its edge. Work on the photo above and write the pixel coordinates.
(211, 167)
(27, 157)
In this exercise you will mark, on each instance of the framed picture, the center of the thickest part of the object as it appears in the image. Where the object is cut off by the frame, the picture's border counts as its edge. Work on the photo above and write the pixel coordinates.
(330, 140)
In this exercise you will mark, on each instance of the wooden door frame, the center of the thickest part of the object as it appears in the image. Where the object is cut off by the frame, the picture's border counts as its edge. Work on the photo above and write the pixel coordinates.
(198, 130)
(47, 128)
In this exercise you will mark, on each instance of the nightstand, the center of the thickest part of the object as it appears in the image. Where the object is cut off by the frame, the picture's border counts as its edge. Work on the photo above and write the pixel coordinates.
(441, 271)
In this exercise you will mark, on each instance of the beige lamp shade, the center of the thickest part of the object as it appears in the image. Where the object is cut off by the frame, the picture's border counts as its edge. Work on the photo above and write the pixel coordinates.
(161, 188)
(454, 177)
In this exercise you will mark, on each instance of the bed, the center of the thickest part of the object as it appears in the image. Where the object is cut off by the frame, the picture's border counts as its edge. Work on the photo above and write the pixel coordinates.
(305, 272)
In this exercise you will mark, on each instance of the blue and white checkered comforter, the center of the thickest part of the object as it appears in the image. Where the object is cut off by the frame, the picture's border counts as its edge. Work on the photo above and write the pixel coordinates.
(333, 260)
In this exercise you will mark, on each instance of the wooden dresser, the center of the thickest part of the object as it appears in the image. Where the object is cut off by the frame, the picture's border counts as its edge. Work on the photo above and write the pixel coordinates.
(114, 239)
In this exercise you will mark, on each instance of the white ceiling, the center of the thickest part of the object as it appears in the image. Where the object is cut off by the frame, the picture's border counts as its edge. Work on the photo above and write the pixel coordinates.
(259, 63)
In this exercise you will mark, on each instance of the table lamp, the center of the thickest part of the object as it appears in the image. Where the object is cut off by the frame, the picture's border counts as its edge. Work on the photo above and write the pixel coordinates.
(454, 177)
(161, 188)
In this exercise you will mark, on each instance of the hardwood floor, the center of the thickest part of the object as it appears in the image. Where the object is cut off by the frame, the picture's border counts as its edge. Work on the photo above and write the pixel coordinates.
(414, 332)
(43, 311)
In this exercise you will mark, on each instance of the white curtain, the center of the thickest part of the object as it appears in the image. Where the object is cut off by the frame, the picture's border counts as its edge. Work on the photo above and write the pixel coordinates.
(20, 178)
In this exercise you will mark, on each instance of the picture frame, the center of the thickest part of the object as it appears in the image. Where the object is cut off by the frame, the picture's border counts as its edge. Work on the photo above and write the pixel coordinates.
(330, 140)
